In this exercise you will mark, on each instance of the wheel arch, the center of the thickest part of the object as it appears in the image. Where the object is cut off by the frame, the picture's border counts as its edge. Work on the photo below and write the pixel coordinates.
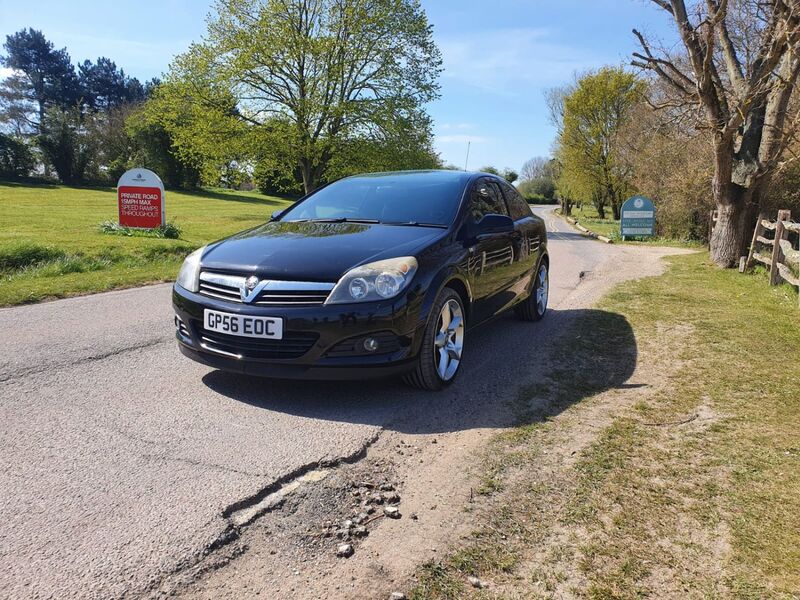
(455, 280)
(461, 287)
(545, 259)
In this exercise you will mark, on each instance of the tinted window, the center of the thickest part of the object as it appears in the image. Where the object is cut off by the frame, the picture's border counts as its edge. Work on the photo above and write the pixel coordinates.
(486, 200)
(517, 207)
(394, 198)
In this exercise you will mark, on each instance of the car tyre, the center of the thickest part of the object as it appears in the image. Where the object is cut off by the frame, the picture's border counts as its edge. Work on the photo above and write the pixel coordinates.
(440, 356)
(534, 307)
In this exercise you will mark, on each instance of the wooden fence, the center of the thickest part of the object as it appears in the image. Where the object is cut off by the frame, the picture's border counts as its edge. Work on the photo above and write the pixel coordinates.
(775, 252)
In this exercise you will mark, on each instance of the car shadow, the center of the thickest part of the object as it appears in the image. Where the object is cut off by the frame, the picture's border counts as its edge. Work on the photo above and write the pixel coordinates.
(514, 373)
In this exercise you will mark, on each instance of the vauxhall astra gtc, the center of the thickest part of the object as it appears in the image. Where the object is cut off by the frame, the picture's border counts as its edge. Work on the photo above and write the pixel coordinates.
(373, 275)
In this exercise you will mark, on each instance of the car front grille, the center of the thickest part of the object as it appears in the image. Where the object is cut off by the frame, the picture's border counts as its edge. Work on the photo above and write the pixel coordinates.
(273, 292)
(293, 345)
(219, 291)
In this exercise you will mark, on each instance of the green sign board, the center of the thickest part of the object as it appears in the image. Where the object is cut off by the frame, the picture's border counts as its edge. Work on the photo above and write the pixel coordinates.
(638, 217)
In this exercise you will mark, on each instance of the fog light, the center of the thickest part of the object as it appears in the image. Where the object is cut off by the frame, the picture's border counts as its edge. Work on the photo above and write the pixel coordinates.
(371, 344)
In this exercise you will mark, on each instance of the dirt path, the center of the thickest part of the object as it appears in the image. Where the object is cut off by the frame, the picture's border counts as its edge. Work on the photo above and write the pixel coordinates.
(289, 551)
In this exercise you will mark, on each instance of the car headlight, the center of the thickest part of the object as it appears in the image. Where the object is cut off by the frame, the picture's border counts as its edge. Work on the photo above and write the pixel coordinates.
(374, 281)
(189, 275)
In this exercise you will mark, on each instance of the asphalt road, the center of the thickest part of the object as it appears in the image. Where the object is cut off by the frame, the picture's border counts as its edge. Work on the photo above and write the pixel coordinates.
(122, 461)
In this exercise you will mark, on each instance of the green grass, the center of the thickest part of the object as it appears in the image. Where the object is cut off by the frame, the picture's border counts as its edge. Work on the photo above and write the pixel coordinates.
(53, 242)
(692, 489)
(609, 227)
(588, 217)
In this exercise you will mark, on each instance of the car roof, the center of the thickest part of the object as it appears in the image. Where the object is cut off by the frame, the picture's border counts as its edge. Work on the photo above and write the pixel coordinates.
(433, 174)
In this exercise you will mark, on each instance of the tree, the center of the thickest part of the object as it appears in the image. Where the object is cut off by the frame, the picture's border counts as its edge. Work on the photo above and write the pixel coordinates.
(737, 77)
(16, 159)
(541, 188)
(43, 77)
(104, 86)
(510, 175)
(672, 163)
(538, 167)
(204, 127)
(592, 113)
(328, 71)
(538, 177)
(491, 170)
(153, 148)
(65, 144)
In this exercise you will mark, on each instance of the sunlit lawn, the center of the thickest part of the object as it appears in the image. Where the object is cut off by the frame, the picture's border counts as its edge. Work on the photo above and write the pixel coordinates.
(51, 246)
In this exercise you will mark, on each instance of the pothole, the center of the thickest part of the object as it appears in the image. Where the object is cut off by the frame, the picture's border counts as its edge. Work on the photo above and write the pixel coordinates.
(250, 513)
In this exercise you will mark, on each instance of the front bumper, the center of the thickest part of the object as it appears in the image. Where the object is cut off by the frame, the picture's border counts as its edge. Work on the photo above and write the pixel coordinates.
(319, 342)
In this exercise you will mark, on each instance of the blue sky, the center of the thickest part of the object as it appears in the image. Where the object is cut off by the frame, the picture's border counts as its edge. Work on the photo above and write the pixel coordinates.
(499, 56)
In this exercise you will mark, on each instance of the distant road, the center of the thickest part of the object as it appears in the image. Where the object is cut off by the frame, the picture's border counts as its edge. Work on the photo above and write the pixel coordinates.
(122, 459)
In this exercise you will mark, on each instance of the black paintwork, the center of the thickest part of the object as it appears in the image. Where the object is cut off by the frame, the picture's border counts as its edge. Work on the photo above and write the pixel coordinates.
(491, 264)
(314, 251)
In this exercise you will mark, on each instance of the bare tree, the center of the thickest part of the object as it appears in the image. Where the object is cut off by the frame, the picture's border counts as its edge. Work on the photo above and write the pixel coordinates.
(535, 168)
(739, 72)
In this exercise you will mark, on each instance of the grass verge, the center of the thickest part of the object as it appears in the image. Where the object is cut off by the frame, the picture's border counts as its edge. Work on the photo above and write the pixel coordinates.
(610, 228)
(51, 245)
(682, 484)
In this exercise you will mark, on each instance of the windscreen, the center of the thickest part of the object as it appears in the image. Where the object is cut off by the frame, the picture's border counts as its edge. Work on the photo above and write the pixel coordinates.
(429, 198)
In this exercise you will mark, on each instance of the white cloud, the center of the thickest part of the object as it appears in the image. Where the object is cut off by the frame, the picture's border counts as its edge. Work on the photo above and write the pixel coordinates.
(455, 126)
(6, 72)
(503, 60)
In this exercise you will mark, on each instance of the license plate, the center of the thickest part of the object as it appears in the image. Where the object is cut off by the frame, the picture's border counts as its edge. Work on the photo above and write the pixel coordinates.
(244, 325)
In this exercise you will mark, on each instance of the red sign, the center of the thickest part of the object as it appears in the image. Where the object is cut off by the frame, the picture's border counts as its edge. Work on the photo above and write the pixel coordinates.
(139, 206)
(140, 196)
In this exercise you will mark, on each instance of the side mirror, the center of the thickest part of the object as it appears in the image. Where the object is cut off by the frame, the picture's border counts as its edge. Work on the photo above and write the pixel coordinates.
(495, 224)
(276, 215)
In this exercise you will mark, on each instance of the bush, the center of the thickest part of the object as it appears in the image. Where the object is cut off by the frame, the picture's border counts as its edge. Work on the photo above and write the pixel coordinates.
(169, 231)
(541, 187)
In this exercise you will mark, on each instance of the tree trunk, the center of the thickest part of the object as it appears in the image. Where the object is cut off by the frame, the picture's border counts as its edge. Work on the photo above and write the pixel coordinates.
(736, 210)
(729, 237)
(615, 209)
(307, 171)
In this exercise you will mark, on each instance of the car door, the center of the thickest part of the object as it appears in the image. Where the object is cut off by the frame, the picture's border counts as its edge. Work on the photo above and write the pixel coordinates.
(528, 238)
(491, 254)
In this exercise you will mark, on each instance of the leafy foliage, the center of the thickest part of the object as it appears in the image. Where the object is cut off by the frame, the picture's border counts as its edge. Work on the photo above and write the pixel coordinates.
(589, 117)
(312, 85)
(540, 189)
(43, 78)
(16, 158)
(64, 144)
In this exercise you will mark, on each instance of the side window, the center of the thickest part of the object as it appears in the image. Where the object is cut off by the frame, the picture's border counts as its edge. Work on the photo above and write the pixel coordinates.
(486, 200)
(517, 207)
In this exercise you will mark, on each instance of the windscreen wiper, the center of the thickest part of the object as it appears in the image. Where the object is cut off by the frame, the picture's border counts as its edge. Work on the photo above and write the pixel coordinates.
(345, 220)
(415, 224)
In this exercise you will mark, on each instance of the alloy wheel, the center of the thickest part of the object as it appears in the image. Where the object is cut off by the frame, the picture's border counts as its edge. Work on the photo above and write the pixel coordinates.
(543, 290)
(449, 340)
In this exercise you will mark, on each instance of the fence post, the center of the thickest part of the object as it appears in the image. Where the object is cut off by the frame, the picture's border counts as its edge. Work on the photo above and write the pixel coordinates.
(777, 252)
(759, 230)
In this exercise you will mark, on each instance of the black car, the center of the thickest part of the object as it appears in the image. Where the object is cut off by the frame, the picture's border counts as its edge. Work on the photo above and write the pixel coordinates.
(373, 275)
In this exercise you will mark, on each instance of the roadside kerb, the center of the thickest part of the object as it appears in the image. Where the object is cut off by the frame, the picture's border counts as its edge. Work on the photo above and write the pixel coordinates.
(581, 228)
